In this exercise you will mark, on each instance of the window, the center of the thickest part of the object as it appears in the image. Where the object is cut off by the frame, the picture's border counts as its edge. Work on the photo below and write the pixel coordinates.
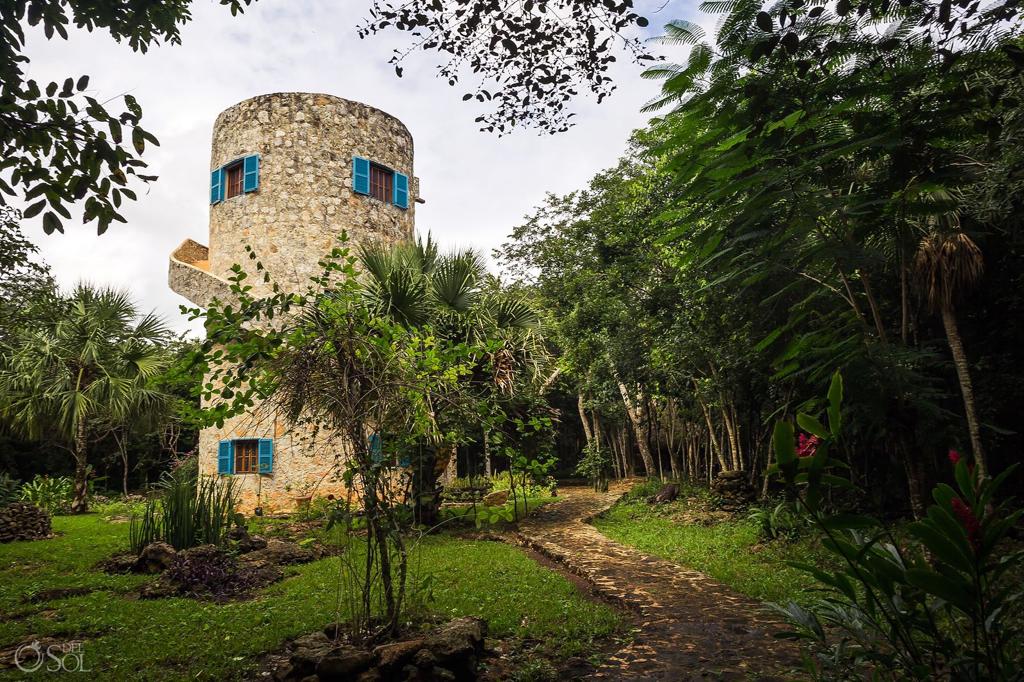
(246, 456)
(380, 183)
(233, 179)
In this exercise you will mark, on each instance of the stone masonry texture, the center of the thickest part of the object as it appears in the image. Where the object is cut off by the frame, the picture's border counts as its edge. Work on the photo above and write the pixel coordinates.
(305, 200)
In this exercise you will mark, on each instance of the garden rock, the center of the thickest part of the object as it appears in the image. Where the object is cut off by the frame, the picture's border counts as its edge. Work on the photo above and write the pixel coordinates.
(23, 521)
(734, 489)
(281, 552)
(342, 664)
(306, 654)
(496, 499)
(668, 493)
(458, 646)
(155, 558)
(392, 657)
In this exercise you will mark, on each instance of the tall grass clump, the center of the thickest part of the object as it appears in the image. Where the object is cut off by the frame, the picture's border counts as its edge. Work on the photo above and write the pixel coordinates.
(189, 510)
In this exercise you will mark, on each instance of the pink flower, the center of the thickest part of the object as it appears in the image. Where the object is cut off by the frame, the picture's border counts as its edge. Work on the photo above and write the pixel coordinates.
(954, 457)
(969, 521)
(806, 446)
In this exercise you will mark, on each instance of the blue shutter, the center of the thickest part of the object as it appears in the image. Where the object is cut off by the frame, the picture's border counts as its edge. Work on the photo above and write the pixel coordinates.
(251, 173)
(217, 186)
(403, 460)
(225, 457)
(376, 448)
(401, 190)
(360, 175)
(266, 455)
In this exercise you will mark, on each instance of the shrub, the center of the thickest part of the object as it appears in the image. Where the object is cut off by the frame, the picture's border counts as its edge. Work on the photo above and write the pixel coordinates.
(52, 493)
(641, 491)
(596, 465)
(209, 572)
(190, 510)
(943, 610)
(8, 490)
(542, 488)
(779, 522)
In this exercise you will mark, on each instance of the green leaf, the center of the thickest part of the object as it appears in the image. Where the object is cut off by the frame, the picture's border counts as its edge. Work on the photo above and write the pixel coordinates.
(782, 441)
(941, 587)
(849, 521)
(835, 403)
(811, 425)
(34, 210)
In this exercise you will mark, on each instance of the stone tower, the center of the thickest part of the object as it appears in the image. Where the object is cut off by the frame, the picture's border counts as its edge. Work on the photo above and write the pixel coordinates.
(288, 173)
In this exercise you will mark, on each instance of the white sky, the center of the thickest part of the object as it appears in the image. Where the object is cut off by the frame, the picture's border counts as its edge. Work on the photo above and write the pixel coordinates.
(477, 186)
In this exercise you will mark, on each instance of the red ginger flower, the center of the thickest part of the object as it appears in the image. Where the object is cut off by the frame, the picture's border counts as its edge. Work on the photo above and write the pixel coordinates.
(954, 457)
(969, 521)
(807, 446)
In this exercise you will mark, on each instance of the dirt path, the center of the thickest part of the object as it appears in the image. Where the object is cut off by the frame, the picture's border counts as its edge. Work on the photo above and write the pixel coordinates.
(690, 627)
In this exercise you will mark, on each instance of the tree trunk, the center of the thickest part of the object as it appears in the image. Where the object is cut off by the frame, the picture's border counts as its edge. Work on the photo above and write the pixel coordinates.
(80, 504)
(711, 437)
(583, 418)
(636, 418)
(964, 375)
(876, 314)
(487, 453)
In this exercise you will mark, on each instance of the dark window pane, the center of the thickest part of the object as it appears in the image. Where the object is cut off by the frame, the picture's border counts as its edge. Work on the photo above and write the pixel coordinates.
(246, 457)
(233, 175)
(380, 183)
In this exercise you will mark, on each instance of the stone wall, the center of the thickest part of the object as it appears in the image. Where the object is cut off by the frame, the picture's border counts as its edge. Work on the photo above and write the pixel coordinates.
(188, 275)
(306, 463)
(306, 143)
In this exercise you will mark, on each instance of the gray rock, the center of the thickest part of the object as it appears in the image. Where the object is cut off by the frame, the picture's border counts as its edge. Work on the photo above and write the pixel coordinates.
(391, 657)
(343, 664)
(280, 552)
(460, 638)
(307, 651)
(155, 558)
(496, 499)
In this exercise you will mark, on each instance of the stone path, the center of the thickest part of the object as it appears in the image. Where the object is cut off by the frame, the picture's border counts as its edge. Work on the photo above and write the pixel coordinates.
(689, 626)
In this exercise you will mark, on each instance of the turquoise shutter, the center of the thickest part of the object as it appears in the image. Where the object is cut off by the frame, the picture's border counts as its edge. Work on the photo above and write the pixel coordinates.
(266, 455)
(225, 457)
(376, 448)
(360, 175)
(251, 173)
(401, 190)
(403, 460)
(217, 186)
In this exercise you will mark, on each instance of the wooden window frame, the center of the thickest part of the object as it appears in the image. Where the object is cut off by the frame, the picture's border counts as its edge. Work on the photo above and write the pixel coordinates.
(382, 183)
(246, 456)
(234, 179)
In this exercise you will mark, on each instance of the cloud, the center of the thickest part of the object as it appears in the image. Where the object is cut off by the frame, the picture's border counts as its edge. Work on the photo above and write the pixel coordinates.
(477, 186)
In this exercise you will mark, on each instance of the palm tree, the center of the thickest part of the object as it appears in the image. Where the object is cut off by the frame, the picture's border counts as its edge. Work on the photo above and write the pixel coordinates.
(948, 265)
(416, 285)
(88, 363)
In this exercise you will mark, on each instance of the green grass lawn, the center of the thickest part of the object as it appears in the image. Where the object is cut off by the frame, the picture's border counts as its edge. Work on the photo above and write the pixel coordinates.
(730, 552)
(127, 638)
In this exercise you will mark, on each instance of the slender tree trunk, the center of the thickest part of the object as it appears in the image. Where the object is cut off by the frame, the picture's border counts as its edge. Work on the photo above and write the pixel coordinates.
(80, 504)
(583, 418)
(636, 417)
(904, 300)
(711, 436)
(964, 375)
(487, 453)
(876, 314)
